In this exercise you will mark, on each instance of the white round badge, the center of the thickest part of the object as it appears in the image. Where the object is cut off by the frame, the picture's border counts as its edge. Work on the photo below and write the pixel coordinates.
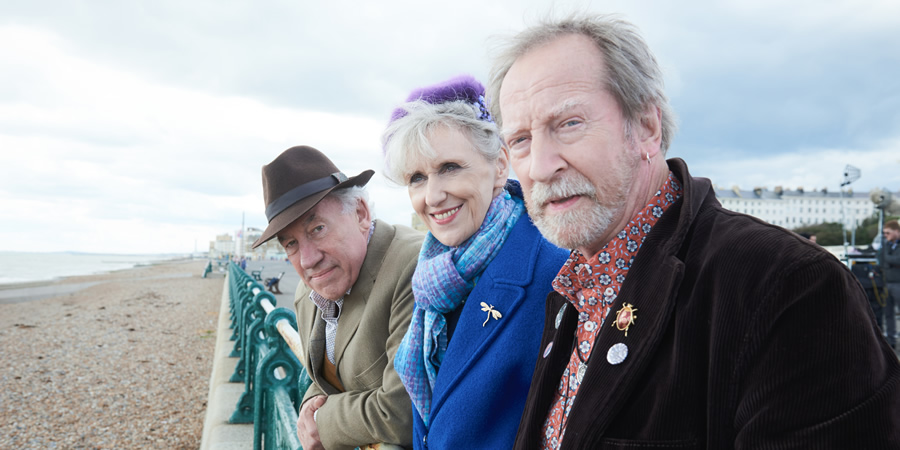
(617, 353)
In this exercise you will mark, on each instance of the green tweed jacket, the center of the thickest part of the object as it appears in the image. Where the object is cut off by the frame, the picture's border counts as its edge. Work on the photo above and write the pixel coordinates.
(375, 406)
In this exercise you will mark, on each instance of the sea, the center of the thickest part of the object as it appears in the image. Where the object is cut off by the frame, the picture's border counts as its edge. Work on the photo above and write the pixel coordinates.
(24, 267)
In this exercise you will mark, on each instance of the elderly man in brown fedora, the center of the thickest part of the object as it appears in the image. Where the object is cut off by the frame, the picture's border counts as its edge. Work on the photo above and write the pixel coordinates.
(354, 304)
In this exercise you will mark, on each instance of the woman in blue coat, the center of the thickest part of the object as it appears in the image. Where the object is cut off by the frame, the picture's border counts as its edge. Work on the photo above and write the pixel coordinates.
(483, 273)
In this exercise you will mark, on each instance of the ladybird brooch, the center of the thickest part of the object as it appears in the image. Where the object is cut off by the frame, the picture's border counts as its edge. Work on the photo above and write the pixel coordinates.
(625, 318)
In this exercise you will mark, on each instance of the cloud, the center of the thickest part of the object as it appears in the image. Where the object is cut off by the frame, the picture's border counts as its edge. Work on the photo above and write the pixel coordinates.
(808, 168)
(767, 78)
(107, 151)
(129, 127)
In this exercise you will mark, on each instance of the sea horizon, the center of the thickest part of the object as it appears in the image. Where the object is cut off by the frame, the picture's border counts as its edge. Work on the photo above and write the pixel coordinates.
(26, 267)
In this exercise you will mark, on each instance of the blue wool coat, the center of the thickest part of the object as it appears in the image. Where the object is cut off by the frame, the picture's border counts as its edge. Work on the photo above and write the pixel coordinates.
(483, 381)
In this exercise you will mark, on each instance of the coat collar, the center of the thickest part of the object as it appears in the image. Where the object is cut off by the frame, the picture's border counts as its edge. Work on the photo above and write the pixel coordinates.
(651, 287)
(502, 285)
(696, 192)
(354, 304)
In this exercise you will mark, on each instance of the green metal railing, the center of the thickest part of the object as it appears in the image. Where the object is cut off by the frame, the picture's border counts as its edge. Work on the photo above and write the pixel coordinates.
(274, 380)
(268, 347)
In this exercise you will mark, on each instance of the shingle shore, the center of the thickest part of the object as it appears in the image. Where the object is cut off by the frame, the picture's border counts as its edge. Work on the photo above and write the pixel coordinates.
(121, 364)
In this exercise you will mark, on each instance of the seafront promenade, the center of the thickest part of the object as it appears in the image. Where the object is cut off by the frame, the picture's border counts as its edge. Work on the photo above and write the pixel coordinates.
(118, 360)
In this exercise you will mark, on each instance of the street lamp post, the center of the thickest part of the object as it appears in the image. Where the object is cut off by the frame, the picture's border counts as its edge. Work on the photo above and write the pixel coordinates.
(851, 174)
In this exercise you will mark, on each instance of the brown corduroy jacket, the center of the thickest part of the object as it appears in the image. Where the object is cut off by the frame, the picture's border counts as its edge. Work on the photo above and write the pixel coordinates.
(745, 336)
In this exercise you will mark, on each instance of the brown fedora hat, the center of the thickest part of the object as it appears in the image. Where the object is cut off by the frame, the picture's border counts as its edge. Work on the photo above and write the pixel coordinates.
(295, 182)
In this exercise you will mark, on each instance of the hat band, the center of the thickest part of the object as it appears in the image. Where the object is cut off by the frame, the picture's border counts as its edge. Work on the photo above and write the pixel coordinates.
(300, 192)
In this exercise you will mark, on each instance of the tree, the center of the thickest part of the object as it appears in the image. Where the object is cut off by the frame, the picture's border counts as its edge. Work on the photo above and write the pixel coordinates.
(826, 233)
(830, 233)
(867, 230)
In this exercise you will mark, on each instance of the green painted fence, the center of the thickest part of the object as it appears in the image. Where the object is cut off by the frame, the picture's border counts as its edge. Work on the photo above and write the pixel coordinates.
(274, 380)
(267, 345)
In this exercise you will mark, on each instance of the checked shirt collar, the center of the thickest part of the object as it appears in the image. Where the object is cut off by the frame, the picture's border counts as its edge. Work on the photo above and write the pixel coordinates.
(591, 286)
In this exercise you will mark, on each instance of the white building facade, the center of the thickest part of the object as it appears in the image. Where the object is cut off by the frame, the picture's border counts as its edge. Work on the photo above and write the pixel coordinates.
(796, 208)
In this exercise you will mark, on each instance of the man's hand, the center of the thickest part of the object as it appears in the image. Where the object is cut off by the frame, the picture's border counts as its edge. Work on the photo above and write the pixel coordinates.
(307, 430)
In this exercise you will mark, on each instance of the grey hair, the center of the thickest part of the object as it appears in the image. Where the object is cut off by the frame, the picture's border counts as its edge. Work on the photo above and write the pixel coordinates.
(350, 196)
(633, 76)
(406, 139)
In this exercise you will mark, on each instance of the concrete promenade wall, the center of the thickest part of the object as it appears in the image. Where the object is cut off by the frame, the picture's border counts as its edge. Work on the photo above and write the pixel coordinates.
(218, 434)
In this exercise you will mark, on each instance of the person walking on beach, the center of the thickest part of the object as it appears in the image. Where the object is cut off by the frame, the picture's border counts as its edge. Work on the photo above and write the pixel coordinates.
(675, 323)
(354, 303)
(891, 270)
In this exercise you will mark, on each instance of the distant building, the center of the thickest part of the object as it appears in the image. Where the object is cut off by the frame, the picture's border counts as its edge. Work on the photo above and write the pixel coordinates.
(228, 245)
(222, 247)
(795, 208)
(271, 249)
(252, 235)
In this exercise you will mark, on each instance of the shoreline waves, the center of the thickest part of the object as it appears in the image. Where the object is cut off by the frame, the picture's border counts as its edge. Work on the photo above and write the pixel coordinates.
(26, 268)
(123, 361)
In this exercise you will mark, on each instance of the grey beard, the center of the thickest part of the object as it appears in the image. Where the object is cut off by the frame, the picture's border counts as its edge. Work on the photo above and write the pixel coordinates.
(572, 229)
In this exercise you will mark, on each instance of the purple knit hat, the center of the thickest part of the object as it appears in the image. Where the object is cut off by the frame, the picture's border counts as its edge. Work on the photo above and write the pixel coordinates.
(460, 88)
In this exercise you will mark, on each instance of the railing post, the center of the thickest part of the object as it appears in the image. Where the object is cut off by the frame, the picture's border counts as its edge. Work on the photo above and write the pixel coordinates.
(255, 345)
(235, 280)
(246, 292)
(274, 379)
(240, 286)
(246, 371)
(279, 370)
(249, 338)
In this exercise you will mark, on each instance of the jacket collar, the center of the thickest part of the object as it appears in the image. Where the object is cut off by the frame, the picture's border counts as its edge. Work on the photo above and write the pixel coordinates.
(355, 302)
(651, 288)
(502, 285)
(672, 233)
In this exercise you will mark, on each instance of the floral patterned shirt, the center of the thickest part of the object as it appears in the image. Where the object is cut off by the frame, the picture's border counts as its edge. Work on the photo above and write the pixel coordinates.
(591, 286)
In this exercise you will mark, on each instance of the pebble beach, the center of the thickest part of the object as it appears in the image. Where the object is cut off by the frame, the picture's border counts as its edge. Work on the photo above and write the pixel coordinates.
(123, 361)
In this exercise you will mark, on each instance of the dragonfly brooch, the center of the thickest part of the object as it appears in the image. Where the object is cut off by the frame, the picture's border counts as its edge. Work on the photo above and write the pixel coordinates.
(491, 312)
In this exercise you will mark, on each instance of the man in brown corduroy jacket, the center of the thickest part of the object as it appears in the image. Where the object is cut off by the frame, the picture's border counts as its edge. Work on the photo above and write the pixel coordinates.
(675, 323)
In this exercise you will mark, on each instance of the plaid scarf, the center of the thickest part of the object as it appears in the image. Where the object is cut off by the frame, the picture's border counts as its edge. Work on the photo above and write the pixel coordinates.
(441, 283)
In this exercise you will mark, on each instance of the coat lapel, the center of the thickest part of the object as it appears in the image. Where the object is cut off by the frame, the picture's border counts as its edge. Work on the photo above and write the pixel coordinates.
(316, 355)
(502, 285)
(471, 341)
(306, 320)
(609, 383)
(651, 288)
(355, 303)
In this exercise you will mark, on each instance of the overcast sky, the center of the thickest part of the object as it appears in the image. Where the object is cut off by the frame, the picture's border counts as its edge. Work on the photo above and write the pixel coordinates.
(141, 126)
